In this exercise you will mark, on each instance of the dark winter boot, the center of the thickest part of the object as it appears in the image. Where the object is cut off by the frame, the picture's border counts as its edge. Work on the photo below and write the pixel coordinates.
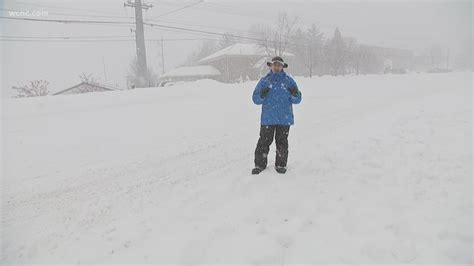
(257, 170)
(280, 169)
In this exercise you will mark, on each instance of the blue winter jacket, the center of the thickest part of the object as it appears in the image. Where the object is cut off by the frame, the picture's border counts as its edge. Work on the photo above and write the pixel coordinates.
(277, 106)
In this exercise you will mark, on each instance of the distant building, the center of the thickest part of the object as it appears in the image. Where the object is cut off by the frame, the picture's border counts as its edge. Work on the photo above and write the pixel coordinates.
(240, 61)
(85, 87)
(235, 63)
(422, 62)
(392, 58)
(190, 74)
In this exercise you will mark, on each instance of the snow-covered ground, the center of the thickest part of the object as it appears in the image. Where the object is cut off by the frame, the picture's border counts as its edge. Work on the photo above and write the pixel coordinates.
(380, 171)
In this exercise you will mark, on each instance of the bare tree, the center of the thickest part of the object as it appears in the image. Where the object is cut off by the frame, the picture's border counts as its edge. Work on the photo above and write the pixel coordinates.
(87, 77)
(277, 39)
(33, 89)
(132, 75)
(262, 32)
(89, 81)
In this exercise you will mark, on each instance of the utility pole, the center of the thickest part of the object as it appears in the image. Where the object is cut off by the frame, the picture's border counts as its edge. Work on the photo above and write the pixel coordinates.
(447, 59)
(162, 55)
(105, 73)
(140, 41)
(311, 58)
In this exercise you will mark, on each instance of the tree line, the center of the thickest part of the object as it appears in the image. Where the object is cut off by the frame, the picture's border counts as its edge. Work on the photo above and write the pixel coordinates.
(313, 52)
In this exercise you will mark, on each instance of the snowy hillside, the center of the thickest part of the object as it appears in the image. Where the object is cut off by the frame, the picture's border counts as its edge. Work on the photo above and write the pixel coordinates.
(379, 172)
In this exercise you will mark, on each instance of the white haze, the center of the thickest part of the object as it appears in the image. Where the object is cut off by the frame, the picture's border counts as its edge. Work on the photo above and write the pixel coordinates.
(414, 25)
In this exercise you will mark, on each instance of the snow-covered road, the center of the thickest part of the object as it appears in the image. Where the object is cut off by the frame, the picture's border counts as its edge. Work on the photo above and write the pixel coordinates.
(380, 171)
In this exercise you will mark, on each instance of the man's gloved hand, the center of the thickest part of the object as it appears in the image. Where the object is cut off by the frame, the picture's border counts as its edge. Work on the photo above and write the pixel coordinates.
(264, 92)
(294, 91)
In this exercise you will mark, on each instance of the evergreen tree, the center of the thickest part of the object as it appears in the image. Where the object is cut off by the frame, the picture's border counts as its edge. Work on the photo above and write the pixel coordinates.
(315, 45)
(337, 55)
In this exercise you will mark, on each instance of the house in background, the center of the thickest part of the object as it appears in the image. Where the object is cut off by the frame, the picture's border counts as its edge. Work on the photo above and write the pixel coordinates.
(235, 63)
(370, 59)
(85, 87)
(240, 61)
(191, 73)
(393, 59)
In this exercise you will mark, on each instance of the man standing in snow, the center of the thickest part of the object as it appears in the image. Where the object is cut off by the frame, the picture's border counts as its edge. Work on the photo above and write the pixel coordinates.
(276, 92)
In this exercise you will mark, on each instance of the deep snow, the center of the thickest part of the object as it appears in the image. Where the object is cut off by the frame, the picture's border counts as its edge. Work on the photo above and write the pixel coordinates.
(380, 171)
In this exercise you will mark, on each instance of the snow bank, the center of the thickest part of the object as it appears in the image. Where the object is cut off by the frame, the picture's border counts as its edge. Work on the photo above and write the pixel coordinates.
(380, 171)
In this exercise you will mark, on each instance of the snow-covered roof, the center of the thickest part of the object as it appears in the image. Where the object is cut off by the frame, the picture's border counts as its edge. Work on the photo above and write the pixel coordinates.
(192, 71)
(239, 49)
(104, 86)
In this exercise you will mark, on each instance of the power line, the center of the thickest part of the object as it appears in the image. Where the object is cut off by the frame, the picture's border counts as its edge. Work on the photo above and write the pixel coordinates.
(106, 22)
(66, 8)
(255, 13)
(228, 9)
(63, 41)
(239, 11)
(197, 31)
(62, 37)
(234, 10)
(231, 11)
(198, 25)
(69, 40)
(102, 12)
(175, 28)
(95, 38)
(89, 22)
(66, 21)
(128, 17)
(178, 9)
(214, 33)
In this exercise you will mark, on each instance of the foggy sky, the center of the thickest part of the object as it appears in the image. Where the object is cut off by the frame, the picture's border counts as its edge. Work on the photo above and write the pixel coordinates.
(414, 25)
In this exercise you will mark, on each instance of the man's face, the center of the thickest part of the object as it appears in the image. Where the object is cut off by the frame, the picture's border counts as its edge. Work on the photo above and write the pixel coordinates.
(277, 67)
